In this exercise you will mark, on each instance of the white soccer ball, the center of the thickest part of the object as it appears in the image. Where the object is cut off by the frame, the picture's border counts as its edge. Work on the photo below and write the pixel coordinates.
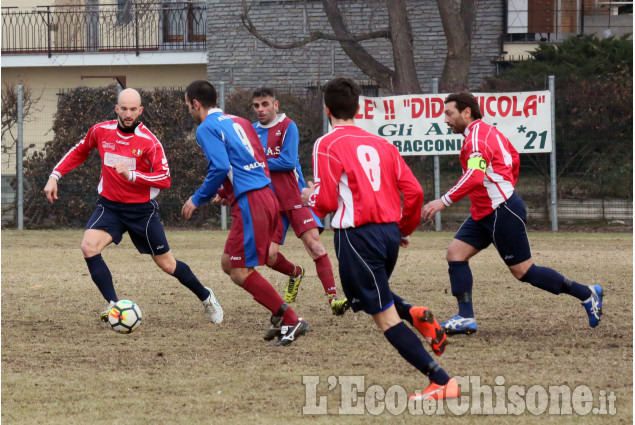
(124, 317)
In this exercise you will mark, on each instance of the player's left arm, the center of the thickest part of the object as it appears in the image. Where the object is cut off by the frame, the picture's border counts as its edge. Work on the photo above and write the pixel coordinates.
(159, 177)
(288, 157)
(412, 198)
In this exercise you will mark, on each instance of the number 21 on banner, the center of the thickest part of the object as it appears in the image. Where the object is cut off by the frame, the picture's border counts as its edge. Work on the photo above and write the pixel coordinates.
(369, 160)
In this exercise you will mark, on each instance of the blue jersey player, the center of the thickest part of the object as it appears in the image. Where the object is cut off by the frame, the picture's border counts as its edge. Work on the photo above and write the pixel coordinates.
(280, 139)
(237, 175)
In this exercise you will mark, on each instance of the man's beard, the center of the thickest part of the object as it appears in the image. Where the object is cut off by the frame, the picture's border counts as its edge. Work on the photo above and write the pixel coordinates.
(128, 127)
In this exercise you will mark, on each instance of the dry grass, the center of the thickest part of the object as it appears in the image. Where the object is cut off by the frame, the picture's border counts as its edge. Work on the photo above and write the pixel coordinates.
(60, 365)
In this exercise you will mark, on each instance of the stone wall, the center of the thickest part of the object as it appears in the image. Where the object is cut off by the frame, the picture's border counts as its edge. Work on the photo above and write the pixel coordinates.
(240, 60)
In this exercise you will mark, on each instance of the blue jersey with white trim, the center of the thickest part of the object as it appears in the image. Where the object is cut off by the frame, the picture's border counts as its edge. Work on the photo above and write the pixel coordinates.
(233, 151)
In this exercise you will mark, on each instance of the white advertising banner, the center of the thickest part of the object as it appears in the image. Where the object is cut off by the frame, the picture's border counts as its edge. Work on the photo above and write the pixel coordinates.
(415, 123)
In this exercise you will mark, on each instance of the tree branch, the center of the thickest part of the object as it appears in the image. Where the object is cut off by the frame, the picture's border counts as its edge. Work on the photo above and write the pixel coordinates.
(365, 61)
(314, 36)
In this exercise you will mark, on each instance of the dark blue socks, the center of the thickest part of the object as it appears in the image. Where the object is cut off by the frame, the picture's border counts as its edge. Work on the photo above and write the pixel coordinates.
(461, 283)
(103, 279)
(551, 281)
(411, 349)
(184, 274)
(101, 276)
(403, 308)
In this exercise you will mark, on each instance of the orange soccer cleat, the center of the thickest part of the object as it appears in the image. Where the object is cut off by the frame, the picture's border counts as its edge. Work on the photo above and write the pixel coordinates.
(438, 392)
(427, 325)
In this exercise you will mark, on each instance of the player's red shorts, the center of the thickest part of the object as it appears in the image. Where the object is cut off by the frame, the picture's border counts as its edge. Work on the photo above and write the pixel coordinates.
(255, 219)
(301, 219)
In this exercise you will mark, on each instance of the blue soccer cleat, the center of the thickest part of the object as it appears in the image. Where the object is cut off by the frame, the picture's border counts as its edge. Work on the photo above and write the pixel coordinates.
(593, 305)
(459, 325)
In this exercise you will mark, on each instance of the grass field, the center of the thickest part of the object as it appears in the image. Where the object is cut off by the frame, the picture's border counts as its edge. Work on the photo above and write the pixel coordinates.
(61, 365)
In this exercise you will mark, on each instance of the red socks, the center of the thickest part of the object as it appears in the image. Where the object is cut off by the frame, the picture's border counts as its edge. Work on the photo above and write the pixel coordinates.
(266, 295)
(285, 266)
(325, 273)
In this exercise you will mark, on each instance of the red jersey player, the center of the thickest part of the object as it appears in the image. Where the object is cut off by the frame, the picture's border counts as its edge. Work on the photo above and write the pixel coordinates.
(133, 170)
(361, 176)
(490, 171)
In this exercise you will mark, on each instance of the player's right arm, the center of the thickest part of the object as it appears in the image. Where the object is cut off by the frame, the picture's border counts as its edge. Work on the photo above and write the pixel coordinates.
(217, 165)
(73, 158)
(327, 171)
(478, 158)
(51, 189)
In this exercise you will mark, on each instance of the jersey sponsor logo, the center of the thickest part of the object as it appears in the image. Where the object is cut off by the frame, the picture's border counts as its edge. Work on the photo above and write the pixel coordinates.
(254, 166)
(308, 220)
(235, 258)
(121, 142)
(110, 159)
(275, 151)
(137, 152)
(278, 133)
(107, 145)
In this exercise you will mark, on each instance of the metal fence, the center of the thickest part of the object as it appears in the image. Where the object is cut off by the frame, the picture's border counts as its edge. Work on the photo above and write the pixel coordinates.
(126, 26)
(594, 190)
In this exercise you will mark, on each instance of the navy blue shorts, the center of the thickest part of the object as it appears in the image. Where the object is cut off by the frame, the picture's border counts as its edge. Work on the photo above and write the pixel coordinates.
(504, 227)
(367, 256)
(141, 221)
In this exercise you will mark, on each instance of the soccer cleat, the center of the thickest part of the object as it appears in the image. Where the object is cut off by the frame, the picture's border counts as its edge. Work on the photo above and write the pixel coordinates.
(427, 325)
(289, 333)
(438, 392)
(593, 305)
(291, 293)
(275, 329)
(213, 308)
(339, 306)
(459, 325)
(104, 314)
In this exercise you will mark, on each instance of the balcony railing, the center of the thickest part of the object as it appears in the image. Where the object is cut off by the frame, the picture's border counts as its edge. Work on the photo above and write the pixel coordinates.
(128, 26)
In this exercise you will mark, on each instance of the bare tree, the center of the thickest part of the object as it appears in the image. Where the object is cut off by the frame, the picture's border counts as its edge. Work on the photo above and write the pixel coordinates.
(10, 115)
(457, 19)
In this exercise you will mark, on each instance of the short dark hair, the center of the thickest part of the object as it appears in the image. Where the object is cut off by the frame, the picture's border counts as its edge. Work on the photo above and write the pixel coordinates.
(202, 91)
(465, 100)
(263, 92)
(341, 96)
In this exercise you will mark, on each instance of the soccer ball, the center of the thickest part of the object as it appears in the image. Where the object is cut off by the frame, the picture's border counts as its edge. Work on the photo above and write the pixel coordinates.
(124, 317)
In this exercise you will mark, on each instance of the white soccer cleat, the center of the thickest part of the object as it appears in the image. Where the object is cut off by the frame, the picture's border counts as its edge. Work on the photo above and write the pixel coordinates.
(104, 314)
(213, 308)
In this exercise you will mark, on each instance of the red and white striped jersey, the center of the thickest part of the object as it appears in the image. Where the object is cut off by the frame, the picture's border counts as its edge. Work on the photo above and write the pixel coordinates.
(140, 150)
(490, 170)
(360, 176)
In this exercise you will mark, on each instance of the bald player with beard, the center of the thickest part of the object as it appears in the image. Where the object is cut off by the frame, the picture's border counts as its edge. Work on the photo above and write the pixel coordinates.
(133, 171)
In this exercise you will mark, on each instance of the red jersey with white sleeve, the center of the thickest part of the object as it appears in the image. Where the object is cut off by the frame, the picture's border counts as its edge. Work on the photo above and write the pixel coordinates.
(360, 176)
(490, 170)
(140, 150)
